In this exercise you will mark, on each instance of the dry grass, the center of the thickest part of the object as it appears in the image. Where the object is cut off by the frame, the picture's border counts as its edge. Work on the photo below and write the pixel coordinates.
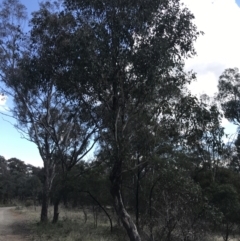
(221, 239)
(71, 226)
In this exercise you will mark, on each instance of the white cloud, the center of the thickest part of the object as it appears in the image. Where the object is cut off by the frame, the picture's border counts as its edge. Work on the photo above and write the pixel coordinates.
(219, 47)
(205, 84)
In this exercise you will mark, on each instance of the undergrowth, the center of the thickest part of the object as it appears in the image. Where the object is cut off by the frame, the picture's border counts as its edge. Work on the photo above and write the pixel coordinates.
(72, 227)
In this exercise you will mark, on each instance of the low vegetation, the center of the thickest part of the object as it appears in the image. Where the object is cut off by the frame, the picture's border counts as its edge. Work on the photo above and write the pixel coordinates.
(72, 226)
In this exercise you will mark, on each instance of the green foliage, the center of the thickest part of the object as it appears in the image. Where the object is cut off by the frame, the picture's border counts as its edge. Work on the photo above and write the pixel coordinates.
(178, 208)
(229, 95)
(226, 199)
(18, 181)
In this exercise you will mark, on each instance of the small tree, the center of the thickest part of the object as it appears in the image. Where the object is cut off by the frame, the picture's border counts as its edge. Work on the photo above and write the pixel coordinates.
(46, 118)
(43, 116)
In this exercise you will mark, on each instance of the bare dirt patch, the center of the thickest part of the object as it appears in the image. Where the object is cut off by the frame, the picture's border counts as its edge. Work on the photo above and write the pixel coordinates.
(13, 225)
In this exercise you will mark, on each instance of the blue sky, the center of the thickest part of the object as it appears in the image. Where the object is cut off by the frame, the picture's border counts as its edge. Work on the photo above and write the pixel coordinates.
(32, 5)
(11, 143)
(217, 50)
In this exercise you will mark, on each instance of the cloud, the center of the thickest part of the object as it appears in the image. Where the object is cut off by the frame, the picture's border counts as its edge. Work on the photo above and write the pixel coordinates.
(219, 47)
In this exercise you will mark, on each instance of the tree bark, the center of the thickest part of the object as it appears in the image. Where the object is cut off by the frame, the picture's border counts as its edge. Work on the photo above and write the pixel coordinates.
(49, 175)
(121, 211)
(118, 157)
(137, 195)
(56, 210)
(126, 219)
(45, 201)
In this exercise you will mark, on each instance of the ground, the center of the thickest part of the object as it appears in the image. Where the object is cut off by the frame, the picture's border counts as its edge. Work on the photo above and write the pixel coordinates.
(12, 225)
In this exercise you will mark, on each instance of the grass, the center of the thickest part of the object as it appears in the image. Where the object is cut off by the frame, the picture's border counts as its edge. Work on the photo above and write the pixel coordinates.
(71, 226)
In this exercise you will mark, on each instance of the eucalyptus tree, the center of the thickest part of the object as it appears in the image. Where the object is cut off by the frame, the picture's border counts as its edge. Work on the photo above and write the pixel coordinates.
(205, 136)
(229, 98)
(46, 118)
(186, 137)
(42, 115)
(229, 94)
(124, 60)
(13, 19)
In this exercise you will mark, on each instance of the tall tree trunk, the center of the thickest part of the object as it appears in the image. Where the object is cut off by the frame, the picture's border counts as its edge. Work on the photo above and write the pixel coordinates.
(137, 195)
(56, 210)
(121, 211)
(49, 175)
(45, 201)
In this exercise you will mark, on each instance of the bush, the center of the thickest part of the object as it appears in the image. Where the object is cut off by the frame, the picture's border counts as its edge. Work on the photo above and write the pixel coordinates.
(29, 203)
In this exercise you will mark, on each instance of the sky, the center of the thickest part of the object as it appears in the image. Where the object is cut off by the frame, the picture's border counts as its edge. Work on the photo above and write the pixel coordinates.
(217, 50)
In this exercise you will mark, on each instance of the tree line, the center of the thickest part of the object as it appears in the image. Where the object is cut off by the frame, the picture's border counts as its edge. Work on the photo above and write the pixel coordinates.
(108, 77)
